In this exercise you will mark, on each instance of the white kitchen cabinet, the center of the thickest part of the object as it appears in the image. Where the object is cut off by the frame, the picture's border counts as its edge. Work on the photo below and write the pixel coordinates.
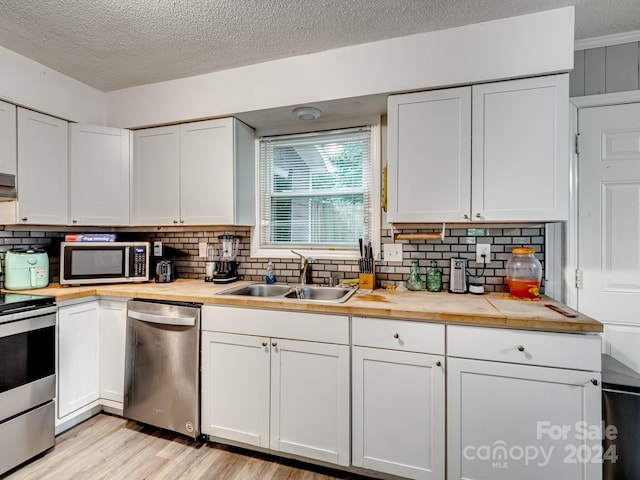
(199, 173)
(398, 397)
(272, 390)
(43, 169)
(99, 175)
(429, 156)
(509, 418)
(113, 324)
(495, 152)
(520, 150)
(78, 350)
(7, 138)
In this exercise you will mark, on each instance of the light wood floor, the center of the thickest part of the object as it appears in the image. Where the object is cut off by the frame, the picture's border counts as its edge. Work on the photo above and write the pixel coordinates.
(112, 448)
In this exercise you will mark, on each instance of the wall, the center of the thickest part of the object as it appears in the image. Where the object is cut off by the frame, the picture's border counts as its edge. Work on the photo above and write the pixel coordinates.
(538, 43)
(459, 242)
(610, 69)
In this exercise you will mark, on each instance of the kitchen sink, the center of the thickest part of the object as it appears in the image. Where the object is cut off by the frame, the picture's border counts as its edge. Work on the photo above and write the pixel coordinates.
(294, 292)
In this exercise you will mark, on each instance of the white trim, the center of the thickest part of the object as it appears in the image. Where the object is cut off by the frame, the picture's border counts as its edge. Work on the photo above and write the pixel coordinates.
(607, 40)
(617, 98)
(326, 254)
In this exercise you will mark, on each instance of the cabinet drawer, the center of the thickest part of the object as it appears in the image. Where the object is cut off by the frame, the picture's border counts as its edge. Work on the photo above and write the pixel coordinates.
(410, 336)
(564, 350)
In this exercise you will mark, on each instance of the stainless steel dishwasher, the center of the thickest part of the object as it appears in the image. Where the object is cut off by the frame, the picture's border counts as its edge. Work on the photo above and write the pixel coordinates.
(162, 365)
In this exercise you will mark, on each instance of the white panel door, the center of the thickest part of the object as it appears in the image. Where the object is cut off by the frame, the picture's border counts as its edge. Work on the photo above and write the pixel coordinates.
(7, 138)
(235, 387)
(609, 224)
(520, 150)
(310, 400)
(429, 156)
(113, 334)
(78, 356)
(207, 172)
(156, 176)
(399, 413)
(43, 169)
(507, 422)
(99, 173)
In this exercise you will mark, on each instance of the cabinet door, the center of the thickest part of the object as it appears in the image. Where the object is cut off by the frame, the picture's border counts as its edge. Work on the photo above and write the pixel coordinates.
(7, 138)
(310, 400)
(99, 172)
(398, 412)
(113, 332)
(156, 176)
(206, 172)
(235, 387)
(78, 356)
(43, 173)
(429, 156)
(509, 421)
(520, 150)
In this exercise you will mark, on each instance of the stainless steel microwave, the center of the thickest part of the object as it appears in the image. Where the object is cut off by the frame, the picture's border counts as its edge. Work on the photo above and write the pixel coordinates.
(103, 262)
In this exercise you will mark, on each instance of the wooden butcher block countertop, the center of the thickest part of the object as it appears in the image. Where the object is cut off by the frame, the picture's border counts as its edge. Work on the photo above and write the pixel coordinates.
(493, 309)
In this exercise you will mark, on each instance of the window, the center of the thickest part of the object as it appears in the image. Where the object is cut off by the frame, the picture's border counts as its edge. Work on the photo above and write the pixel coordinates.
(316, 193)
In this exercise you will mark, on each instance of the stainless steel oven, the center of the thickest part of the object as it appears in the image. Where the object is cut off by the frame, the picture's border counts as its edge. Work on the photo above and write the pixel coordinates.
(27, 377)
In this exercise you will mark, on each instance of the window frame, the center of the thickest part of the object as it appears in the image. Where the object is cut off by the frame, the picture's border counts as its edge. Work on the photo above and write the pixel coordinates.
(257, 251)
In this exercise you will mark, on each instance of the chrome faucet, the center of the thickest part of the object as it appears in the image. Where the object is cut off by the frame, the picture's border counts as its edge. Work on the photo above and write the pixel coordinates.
(305, 268)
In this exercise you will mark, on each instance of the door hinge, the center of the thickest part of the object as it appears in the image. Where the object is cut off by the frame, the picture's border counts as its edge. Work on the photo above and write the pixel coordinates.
(578, 278)
(577, 140)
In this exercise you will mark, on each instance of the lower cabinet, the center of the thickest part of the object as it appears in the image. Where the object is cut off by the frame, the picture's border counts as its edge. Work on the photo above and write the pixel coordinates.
(509, 418)
(113, 324)
(272, 391)
(399, 398)
(78, 350)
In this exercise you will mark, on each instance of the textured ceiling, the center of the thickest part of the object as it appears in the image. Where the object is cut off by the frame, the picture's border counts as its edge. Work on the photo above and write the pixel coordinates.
(114, 44)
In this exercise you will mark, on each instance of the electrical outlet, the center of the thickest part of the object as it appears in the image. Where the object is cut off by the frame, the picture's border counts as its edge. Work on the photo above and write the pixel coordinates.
(392, 252)
(202, 249)
(483, 249)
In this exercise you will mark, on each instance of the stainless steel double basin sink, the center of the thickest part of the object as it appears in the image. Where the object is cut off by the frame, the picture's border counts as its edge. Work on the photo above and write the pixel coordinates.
(309, 293)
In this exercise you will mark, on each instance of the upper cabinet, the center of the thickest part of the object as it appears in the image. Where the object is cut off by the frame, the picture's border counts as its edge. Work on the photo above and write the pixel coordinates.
(496, 152)
(199, 173)
(7, 138)
(43, 173)
(99, 175)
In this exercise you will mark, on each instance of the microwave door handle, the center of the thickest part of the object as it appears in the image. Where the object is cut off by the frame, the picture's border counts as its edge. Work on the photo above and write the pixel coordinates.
(127, 261)
(151, 318)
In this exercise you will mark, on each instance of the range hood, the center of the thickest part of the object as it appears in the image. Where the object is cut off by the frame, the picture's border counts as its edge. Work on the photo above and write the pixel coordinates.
(7, 187)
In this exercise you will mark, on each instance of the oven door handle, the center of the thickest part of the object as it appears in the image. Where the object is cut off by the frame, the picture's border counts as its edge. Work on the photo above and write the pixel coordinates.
(163, 319)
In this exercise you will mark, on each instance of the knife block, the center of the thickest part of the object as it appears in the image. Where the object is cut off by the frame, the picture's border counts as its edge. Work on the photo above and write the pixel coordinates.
(367, 281)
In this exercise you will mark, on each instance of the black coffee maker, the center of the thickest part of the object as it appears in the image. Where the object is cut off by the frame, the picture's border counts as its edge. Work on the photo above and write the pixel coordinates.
(163, 265)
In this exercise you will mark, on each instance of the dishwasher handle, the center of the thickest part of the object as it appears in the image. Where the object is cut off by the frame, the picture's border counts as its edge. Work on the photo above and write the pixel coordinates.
(163, 319)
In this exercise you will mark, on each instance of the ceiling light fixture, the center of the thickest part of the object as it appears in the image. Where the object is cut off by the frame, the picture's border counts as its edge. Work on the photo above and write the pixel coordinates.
(307, 113)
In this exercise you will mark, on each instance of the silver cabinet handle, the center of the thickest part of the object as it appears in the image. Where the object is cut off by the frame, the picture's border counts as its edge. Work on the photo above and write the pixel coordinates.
(395, 335)
(520, 348)
(24, 219)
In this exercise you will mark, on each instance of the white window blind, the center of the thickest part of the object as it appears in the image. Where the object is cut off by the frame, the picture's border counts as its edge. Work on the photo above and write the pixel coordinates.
(315, 190)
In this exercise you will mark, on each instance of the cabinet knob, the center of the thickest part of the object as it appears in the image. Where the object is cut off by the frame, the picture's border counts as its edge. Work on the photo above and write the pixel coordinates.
(478, 215)
(264, 344)
(175, 221)
(438, 363)
(395, 335)
(520, 348)
(465, 216)
(74, 221)
(23, 219)
(181, 221)
(594, 381)
(274, 344)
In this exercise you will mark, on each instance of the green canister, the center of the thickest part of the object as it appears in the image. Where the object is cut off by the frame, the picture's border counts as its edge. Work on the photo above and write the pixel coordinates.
(434, 278)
